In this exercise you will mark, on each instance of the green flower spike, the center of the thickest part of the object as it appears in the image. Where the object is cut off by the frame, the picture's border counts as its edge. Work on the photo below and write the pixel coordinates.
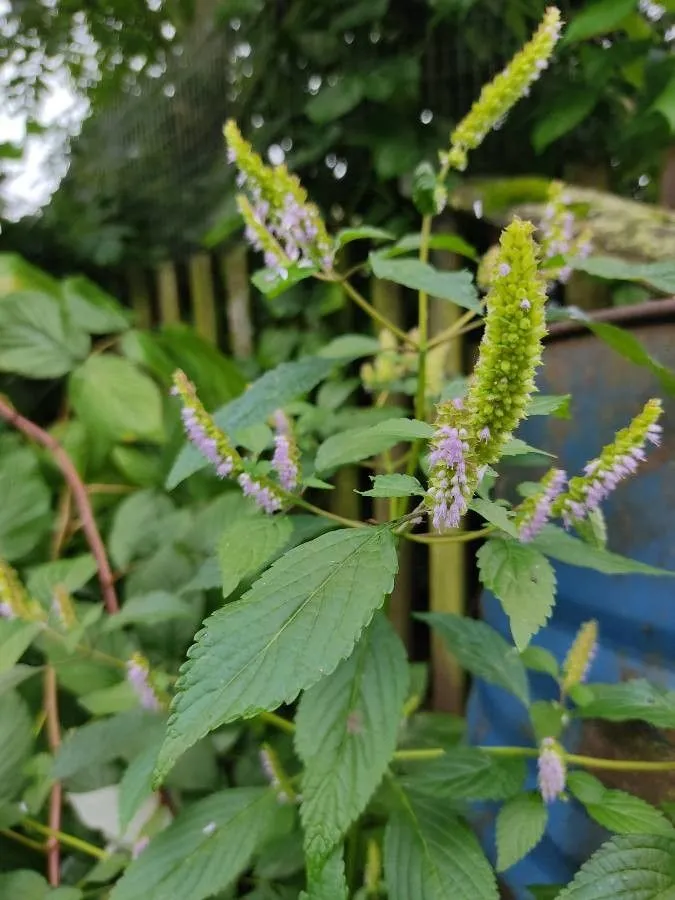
(63, 608)
(510, 351)
(14, 600)
(617, 461)
(559, 233)
(580, 657)
(497, 97)
(280, 221)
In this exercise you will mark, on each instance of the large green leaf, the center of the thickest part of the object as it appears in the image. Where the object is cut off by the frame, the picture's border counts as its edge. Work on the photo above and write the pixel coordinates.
(15, 638)
(299, 620)
(71, 574)
(326, 878)
(116, 401)
(136, 526)
(17, 274)
(615, 810)
(37, 337)
(346, 729)
(93, 309)
(361, 443)
(29, 885)
(556, 542)
(458, 287)
(521, 824)
(466, 773)
(395, 485)
(274, 390)
(26, 504)
(599, 17)
(563, 115)
(335, 101)
(523, 580)
(244, 548)
(482, 651)
(149, 609)
(206, 849)
(630, 866)
(16, 743)
(637, 699)
(136, 784)
(429, 854)
(121, 736)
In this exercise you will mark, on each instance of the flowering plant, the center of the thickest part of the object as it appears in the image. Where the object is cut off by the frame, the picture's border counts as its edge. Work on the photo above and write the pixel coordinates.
(290, 757)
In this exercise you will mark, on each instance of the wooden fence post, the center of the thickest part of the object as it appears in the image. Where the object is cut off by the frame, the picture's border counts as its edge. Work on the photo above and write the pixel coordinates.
(167, 293)
(203, 297)
(139, 297)
(234, 268)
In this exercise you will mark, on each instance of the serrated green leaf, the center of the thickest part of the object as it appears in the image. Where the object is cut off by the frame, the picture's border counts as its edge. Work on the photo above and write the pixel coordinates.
(16, 744)
(540, 660)
(597, 18)
(482, 651)
(429, 854)
(300, 618)
(523, 581)
(452, 243)
(274, 390)
(457, 287)
(570, 108)
(521, 824)
(637, 699)
(149, 609)
(326, 878)
(206, 849)
(93, 309)
(245, 547)
(466, 773)
(516, 447)
(394, 486)
(616, 810)
(628, 866)
(356, 444)
(117, 401)
(495, 514)
(346, 729)
(121, 736)
(555, 542)
(37, 337)
(550, 405)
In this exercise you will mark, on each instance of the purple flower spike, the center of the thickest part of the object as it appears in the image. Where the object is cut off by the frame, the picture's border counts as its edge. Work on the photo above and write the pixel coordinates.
(283, 462)
(138, 677)
(552, 773)
(262, 496)
(449, 480)
(536, 517)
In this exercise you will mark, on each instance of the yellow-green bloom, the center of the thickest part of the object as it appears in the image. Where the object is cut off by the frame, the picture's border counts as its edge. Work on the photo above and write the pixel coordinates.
(280, 221)
(497, 97)
(510, 351)
(557, 231)
(581, 654)
(617, 461)
(14, 600)
(63, 608)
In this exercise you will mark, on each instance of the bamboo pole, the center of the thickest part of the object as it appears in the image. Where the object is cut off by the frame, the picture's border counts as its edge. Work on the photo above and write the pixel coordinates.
(447, 561)
(234, 268)
(203, 297)
(167, 293)
(387, 299)
(139, 297)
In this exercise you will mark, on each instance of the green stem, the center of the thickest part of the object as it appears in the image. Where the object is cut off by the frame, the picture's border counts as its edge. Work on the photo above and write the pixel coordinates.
(460, 537)
(279, 722)
(304, 504)
(361, 301)
(423, 326)
(68, 840)
(22, 839)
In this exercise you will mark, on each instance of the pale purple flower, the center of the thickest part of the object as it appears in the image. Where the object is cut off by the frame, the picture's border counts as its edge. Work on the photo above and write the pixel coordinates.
(138, 678)
(458, 403)
(139, 847)
(525, 304)
(209, 828)
(564, 274)
(541, 513)
(264, 497)
(504, 269)
(207, 445)
(449, 480)
(484, 435)
(283, 462)
(552, 773)
(6, 611)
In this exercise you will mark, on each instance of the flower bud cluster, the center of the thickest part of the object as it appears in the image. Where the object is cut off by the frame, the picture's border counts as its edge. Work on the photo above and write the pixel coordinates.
(138, 676)
(14, 600)
(535, 511)
(452, 473)
(617, 461)
(63, 608)
(559, 235)
(280, 222)
(276, 776)
(500, 95)
(552, 770)
(391, 364)
(580, 656)
(285, 461)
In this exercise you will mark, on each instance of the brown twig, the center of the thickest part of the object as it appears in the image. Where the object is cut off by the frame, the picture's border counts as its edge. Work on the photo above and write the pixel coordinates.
(62, 523)
(56, 796)
(80, 496)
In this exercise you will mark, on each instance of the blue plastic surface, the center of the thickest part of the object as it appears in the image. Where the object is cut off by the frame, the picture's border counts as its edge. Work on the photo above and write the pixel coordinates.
(636, 614)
